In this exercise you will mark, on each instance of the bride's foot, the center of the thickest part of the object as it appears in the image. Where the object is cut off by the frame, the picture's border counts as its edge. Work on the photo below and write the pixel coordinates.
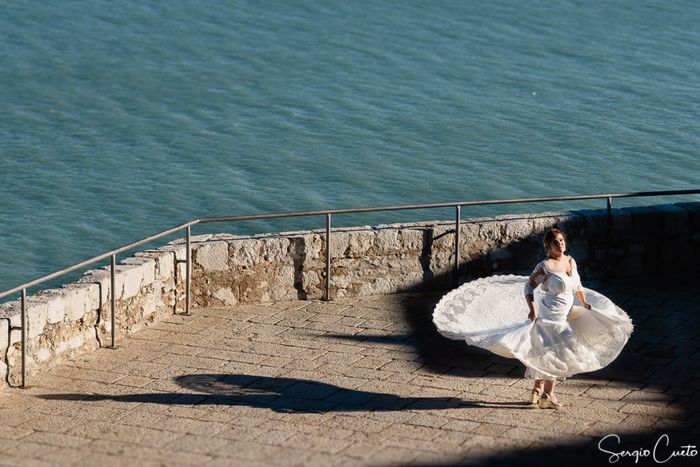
(548, 401)
(535, 396)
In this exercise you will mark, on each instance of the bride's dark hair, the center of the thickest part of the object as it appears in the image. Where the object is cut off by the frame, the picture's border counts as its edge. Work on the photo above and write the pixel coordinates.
(550, 235)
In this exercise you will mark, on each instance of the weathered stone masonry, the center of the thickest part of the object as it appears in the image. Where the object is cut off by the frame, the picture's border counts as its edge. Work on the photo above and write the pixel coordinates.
(366, 260)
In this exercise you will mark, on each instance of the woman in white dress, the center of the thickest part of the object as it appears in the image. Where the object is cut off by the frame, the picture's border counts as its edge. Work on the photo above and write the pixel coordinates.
(569, 329)
(554, 273)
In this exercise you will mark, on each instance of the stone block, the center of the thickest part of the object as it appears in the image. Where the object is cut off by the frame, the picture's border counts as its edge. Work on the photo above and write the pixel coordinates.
(443, 238)
(245, 254)
(76, 341)
(310, 280)
(543, 222)
(198, 238)
(177, 248)
(4, 336)
(43, 355)
(387, 240)
(340, 242)
(312, 247)
(101, 278)
(37, 310)
(441, 262)
(11, 311)
(254, 291)
(693, 209)
(165, 265)
(676, 219)
(79, 300)
(226, 296)
(56, 309)
(646, 221)
(359, 243)
(380, 286)
(84, 299)
(181, 274)
(150, 305)
(213, 256)
(147, 266)
(15, 336)
(491, 231)
(630, 265)
(276, 250)
(595, 221)
(500, 254)
(284, 276)
(518, 229)
(412, 240)
(579, 250)
(342, 281)
(128, 281)
(469, 231)
(572, 223)
(473, 247)
(622, 220)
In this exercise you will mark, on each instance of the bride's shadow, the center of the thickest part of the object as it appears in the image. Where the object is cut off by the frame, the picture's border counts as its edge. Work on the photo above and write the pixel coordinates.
(287, 395)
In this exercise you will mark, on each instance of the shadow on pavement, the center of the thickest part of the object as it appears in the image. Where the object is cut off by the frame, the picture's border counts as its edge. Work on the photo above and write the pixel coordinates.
(662, 356)
(285, 395)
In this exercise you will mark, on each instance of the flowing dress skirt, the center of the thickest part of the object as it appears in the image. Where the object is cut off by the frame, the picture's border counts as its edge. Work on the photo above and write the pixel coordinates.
(491, 313)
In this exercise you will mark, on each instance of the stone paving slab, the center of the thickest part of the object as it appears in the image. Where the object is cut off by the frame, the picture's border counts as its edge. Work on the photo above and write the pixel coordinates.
(363, 381)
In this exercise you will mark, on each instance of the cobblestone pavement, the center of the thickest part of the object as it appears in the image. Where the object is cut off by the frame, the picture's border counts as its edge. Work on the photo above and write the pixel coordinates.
(353, 382)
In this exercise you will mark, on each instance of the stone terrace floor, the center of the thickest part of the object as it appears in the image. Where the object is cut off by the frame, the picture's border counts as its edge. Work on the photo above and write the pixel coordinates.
(353, 382)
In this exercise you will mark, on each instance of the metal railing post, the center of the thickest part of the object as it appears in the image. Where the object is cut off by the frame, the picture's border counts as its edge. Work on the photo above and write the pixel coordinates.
(23, 317)
(328, 257)
(188, 269)
(113, 293)
(455, 272)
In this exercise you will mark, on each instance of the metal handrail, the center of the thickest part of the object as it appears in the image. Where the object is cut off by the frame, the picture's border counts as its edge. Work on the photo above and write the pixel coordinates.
(449, 204)
(328, 215)
(90, 261)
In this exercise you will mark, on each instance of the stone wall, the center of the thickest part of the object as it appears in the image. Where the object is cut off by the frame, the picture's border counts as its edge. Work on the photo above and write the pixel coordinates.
(365, 260)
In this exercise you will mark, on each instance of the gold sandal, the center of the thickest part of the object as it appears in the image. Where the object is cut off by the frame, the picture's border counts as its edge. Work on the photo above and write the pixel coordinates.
(546, 403)
(535, 396)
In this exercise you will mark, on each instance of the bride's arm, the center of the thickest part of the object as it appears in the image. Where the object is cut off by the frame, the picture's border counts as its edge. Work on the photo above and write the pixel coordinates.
(535, 279)
(582, 298)
(578, 289)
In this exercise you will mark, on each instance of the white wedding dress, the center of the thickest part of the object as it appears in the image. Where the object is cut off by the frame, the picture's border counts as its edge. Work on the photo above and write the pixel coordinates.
(565, 339)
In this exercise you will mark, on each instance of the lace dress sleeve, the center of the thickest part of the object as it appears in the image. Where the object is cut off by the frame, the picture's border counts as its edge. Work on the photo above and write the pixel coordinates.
(536, 278)
(574, 272)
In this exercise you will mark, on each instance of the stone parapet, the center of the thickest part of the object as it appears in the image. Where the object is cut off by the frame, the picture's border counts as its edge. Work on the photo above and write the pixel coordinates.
(365, 260)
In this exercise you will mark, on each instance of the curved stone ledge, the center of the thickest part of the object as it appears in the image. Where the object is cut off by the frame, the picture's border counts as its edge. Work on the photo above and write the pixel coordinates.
(366, 260)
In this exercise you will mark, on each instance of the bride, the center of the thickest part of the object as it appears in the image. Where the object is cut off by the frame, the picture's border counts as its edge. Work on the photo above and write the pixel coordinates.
(569, 329)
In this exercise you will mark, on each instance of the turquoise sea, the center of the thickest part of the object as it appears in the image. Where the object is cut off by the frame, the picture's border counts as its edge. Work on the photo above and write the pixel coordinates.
(122, 118)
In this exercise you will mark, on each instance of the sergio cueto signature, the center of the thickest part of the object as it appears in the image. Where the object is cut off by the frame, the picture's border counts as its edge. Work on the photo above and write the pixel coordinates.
(661, 452)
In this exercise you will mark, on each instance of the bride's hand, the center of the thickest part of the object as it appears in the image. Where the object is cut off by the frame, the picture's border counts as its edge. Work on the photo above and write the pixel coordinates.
(532, 316)
(587, 305)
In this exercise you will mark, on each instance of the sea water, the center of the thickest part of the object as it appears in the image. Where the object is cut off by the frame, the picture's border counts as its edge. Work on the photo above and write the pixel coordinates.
(120, 119)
